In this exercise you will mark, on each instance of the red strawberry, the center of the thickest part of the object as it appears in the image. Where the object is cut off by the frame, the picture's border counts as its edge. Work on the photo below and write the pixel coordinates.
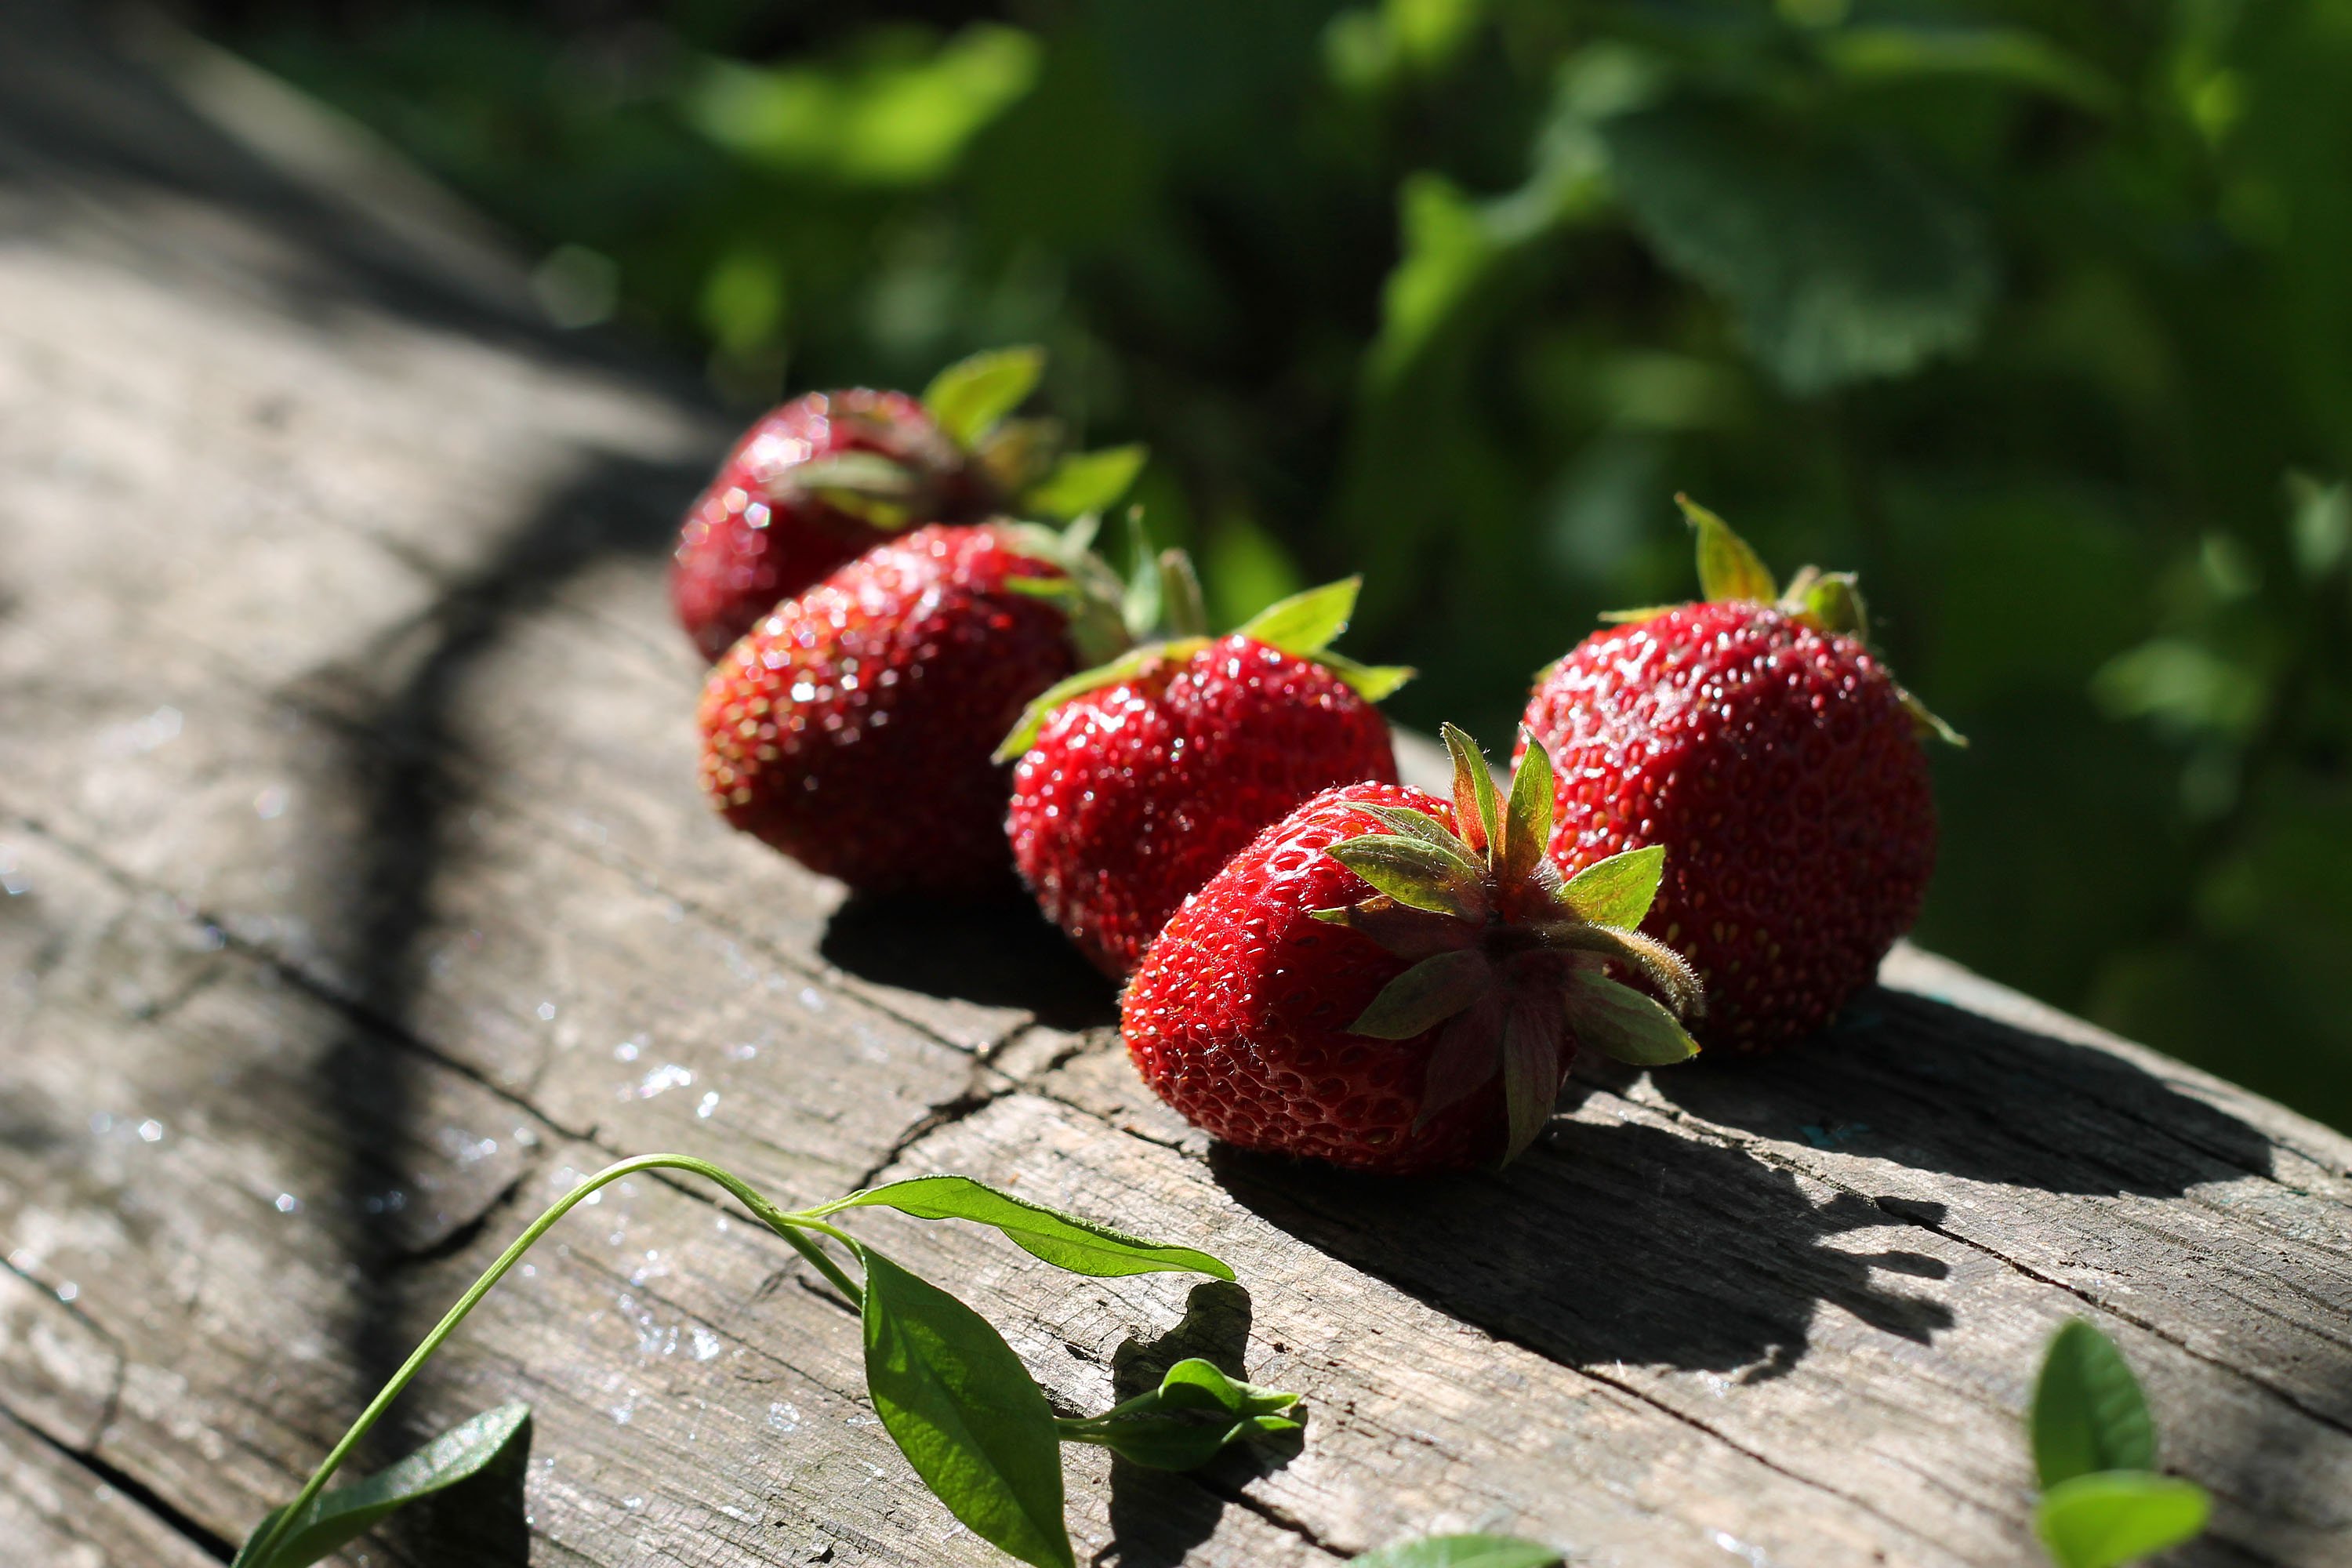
(758, 533)
(852, 728)
(1390, 982)
(1758, 740)
(1141, 778)
(820, 480)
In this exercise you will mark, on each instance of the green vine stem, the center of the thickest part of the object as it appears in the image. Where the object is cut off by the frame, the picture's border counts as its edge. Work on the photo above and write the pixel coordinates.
(786, 1225)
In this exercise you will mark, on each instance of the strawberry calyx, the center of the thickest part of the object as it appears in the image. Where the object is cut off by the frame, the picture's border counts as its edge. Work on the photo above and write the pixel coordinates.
(1730, 571)
(1164, 595)
(1509, 958)
(905, 469)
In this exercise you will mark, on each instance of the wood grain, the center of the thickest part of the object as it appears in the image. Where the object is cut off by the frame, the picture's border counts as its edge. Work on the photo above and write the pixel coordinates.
(358, 901)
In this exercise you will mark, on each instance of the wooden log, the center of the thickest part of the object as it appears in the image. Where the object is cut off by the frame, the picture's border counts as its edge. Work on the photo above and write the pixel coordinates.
(357, 900)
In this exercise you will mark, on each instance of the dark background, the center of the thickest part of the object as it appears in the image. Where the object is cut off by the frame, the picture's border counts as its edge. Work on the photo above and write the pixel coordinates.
(2039, 316)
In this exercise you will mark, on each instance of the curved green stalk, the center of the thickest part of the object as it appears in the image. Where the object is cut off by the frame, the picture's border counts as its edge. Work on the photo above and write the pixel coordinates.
(787, 1225)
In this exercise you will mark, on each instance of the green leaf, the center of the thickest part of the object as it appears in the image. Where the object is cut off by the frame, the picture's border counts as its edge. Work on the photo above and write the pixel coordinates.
(1425, 996)
(1181, 1425)
(1620, 1022)
(1144, 601)
(2088, 1413)
(335, 1519)
(1475, 812)
(1086, 481)
(1417, 872)
(1063, 1240)
(1616, 892)
(973, 393)
(1461, 1552)
(966, 1414)
(2010, 55)
(1527, 819)
(1415, 825)
(2118, 1516)
(1186, 611)
(866, 474)
(1305, 623)
(1840, 261)
(1372, 682)
(1727, 568)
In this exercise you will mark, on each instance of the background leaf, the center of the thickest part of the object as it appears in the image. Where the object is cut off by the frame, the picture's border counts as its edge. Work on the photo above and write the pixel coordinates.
(1461, 1552)
(2118, 1516)
(2088, 1413)
(1086, 482)
(336, 1518)
(966, 1414)
(1061, 1240)
(1842, 261)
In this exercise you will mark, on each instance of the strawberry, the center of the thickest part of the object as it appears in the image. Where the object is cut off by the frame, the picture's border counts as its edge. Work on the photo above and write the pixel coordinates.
(818, 481)
(1756, 739)
(852, 728)
(1138, 779)
(1396, 983)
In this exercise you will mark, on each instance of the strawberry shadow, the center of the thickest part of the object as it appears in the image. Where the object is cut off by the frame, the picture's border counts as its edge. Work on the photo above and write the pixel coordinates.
(1609, 1243)
(1159, 1517)
(997, 952)
(1920, 1083)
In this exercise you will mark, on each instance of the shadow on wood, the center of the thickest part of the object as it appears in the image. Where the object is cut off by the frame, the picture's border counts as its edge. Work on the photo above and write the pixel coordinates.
(999, 952)
(1918, 1082)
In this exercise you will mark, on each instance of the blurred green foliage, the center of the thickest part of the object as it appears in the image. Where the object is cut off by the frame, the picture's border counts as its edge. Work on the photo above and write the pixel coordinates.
(2037, 315)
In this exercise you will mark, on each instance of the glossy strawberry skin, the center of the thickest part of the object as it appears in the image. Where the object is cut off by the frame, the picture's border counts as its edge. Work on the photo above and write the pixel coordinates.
(751, 539)
(1238, 1014)
(1134, 794)
(1779, 769)
(851, 728)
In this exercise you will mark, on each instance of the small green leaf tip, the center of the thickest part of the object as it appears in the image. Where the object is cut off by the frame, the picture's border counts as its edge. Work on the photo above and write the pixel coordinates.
(971, 394)
(1527, 820)
(1727, 568)
(1126, 667)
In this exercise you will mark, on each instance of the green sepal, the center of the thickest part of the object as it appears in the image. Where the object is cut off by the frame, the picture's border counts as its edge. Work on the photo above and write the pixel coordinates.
(1013, 453)
(1622, 1023)
(1146, 598)
(1416, 872)
(1475, 812)
(1727, 568)
(334, 1520)
(1534, 1042)
(1087, 592)
(878, 490)
(2114, 1517)
(1830, 602)
(1372, 682)
(1305, 624)
(1182, 605)
(1084, 481)
(1527, 819)
(2088, 1411)
(973, 393)
(1665, 969)
(1405, 932)
(1617, 891)
(1425, 996)
(1126, 667)
(1926, 722)
(1615, 618)
(1415, 825)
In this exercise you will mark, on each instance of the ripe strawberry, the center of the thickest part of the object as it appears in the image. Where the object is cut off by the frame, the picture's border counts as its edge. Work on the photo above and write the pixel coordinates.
(823, 478)
(1138, 779)
(852, 728)
(1390, 982)
(1759, 741)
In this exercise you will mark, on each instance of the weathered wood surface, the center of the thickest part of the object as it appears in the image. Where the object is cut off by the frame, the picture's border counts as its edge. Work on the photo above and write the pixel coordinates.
(358, 898)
